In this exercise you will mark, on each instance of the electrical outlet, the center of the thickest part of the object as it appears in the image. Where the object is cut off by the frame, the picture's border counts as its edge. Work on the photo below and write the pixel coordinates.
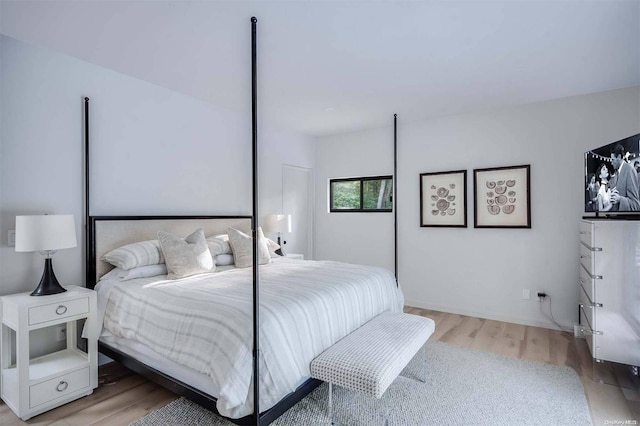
(11, 237)
(541, 295)
(526, 293)
(61, 333)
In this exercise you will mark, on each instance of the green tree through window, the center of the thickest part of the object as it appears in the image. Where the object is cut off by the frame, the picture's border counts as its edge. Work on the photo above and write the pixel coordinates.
(364, 194)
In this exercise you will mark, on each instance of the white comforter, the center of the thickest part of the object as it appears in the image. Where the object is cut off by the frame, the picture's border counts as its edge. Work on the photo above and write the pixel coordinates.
(205, 322)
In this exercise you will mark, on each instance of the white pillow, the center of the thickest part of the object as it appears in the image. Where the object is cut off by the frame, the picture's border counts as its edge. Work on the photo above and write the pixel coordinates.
(140, 272)
(224, 259)
(273, 246)
(188, 256)
(242, 246)
(135, 255)
(219, 244)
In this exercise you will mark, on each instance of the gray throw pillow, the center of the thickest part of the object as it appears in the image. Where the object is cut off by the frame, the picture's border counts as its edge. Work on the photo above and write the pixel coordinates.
(188, 256)
(242, 246)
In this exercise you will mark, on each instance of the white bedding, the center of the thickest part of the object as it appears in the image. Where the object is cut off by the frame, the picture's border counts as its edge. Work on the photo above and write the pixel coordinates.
(204, 322)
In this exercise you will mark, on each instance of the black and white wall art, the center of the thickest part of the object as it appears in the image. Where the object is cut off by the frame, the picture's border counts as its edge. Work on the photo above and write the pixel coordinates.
(502, 197)
(443, 199)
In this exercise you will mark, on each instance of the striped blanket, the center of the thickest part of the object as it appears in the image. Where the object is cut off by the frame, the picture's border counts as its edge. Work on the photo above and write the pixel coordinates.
(205, 323)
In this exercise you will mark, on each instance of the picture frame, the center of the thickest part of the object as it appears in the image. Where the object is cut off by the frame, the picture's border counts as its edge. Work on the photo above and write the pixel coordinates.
(443, 199)
(502, 197)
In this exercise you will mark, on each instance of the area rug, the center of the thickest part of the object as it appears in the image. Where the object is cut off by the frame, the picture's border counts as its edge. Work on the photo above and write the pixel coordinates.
(463, 387)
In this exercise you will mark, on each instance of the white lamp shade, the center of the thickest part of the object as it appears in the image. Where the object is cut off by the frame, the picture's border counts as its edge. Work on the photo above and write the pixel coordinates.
(278, 223)
(45, 232)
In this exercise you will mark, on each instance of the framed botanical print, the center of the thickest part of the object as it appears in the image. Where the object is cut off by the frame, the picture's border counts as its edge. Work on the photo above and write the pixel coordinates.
(443, 199)
(502, 197)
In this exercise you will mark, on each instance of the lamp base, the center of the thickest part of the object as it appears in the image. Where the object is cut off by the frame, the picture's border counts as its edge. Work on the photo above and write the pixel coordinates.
(280, 252)
(48, 283)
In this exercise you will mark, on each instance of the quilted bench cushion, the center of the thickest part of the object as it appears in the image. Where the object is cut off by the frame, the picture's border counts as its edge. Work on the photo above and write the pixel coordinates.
(369, 359)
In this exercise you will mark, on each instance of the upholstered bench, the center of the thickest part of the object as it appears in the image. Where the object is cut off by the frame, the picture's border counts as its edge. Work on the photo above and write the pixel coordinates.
(369, 359)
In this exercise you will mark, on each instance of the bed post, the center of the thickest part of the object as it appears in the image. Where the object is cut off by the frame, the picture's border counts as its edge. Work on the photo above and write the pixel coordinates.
(254, 228)
(395, 193)
(88, 237)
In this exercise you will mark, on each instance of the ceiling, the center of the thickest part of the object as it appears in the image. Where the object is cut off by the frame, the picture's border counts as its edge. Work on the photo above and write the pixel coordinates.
(328, 67)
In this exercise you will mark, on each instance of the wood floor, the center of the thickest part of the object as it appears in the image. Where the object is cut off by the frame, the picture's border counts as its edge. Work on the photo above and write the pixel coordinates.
(127, 397)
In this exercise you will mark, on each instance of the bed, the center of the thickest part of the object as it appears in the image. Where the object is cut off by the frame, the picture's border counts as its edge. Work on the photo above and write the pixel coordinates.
(194, 335)
(368, 292)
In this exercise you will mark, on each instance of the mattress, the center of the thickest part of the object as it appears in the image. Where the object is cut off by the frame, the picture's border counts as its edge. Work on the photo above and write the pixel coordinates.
(204, 323)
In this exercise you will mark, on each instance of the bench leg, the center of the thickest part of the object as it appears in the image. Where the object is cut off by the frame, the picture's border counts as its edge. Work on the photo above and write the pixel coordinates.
(330, 404)
(387, 412)
(424, 365)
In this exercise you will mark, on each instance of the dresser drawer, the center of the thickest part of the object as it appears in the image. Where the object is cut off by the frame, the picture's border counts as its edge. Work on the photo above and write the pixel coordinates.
(587, 258)
(586, 233)
(587, 331)
(55, 311)
(587, 309)
(587, 282)
(58, 387)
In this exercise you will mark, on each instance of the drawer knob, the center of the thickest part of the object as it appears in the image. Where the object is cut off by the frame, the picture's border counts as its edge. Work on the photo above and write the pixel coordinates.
(62, 386)
(61, 309)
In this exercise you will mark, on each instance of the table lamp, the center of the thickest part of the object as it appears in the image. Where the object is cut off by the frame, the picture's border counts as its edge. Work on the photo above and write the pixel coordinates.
(278, 223)
(46, 234)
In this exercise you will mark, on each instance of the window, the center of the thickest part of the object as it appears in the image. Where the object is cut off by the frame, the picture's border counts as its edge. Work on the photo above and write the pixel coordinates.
(363, 194)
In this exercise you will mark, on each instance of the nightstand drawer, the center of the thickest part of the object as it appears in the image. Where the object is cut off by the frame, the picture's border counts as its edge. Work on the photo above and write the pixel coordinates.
(55, 311)
(58, 387)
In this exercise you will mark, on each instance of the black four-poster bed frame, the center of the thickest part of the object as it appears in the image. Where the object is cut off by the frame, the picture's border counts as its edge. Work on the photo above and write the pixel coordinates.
(177, 386)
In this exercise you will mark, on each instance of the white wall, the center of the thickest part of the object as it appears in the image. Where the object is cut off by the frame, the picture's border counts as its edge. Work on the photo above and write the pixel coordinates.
(479, 272)
(154, 151)
(365, 238)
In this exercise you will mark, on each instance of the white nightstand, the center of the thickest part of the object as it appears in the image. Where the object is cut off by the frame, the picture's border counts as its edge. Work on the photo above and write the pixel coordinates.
(31, 387)
(299, 256)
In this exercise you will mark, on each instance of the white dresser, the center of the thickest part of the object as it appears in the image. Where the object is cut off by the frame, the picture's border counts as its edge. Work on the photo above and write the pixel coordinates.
(33, 386)
(609, 305)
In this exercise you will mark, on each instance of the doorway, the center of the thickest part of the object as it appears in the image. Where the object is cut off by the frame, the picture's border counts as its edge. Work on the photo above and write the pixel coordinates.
(297, 200)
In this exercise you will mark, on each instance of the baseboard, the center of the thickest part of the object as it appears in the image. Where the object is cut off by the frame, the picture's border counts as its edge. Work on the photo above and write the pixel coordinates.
(496, 317)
